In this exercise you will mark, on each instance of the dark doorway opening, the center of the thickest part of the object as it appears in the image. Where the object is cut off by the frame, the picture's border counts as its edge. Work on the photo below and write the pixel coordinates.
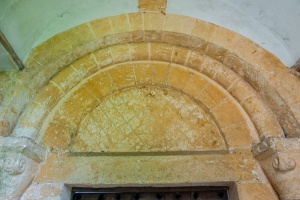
(152, 193)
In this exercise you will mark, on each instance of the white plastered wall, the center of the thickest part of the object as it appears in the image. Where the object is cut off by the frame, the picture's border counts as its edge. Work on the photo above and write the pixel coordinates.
(273, 24)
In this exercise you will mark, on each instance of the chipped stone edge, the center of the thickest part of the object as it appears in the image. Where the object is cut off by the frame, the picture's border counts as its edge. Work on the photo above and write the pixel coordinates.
(273, 145)
(22, 145)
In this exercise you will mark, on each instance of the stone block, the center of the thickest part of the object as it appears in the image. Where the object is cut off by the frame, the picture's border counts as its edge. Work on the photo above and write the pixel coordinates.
(158, 5)
(139, 51)
(179, 24)
(35, 114)
(195, 85)
(176, 39)
(67, 114)
(217, 52)
(160, 52)
(136, 21)
(79, 35)
(288, 86)
(153, 36)
(101, 27)
(143, 73)
(160, 73)
(137, 36)
(279, 158)
(195, 60)
(203, 30)
(123, 76)
(254, 191)
(100, 85)
(254, 105)
(86, 66)
(49, 191)
(178, 77)
(149, 170)
(242, 91)
(211, 96)
(48, 96)
(83, 99)
(238, 135)
(66, 79)
(210, 67)
(53, 49)
(197, 44)
(226, 77)
(153, 21)
(58, 136)
(120, 23)
(179, 55)
(120, 53)
(224, 38)
(103, 57)
(267, 126)
(227, 113)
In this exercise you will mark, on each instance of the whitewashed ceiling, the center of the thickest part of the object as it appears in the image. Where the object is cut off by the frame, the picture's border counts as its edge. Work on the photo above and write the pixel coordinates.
(273, 24)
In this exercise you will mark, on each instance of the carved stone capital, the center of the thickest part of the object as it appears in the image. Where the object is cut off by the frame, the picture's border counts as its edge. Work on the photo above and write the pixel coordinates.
(280, 160)
(23, 146)
(283, 163)
(19, 160)
(14, 165)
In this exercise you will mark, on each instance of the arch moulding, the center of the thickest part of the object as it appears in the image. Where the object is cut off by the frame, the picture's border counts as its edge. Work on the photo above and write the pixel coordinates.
(248, 99)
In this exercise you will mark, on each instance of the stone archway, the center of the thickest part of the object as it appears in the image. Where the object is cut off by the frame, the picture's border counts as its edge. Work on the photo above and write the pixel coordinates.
(191, 67)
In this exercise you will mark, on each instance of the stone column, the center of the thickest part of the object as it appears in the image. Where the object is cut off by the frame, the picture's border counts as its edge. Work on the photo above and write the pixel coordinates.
(280, 160)
(19, 160)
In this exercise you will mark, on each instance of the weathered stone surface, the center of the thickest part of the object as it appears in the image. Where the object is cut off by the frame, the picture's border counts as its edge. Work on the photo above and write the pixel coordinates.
(279, 158)
(146, 169)
(19, 159)
(158, 5)
(77, 107)
(147, 119)
(49, 191)
(256, 191)
(236, 73)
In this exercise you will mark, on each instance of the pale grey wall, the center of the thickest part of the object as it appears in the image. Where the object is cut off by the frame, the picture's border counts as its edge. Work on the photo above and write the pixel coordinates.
(27, 23)
(273, 24)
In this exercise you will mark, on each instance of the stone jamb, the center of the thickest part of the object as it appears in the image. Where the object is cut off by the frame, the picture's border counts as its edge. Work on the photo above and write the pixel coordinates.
(19, 161)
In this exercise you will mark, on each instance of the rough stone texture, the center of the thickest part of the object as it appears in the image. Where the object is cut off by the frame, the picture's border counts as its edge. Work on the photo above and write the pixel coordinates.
(147, 169)
(158, 5)
(19, 160)
(256, 191)
(128, 170)
(102, 103)
(201, 30)
(279, 159)
(147, 119)
(243, 92)
(47, 191)
(158, 75)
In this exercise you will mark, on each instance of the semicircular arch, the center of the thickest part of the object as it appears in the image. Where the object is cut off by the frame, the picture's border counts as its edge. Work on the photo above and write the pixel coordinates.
(234, 51)
(262, 117)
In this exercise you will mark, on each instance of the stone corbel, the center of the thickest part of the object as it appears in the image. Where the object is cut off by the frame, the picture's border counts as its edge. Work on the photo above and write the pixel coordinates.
(280, 160)
(19, 160)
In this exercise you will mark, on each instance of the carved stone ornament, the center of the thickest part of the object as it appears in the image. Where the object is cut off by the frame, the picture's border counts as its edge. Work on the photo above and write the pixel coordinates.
(283, 163)
(24, 146)
(14, 165)
(278, 158)
(19, 160)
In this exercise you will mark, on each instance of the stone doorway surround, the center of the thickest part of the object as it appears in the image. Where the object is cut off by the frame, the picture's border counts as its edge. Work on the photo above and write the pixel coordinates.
(213, 109)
